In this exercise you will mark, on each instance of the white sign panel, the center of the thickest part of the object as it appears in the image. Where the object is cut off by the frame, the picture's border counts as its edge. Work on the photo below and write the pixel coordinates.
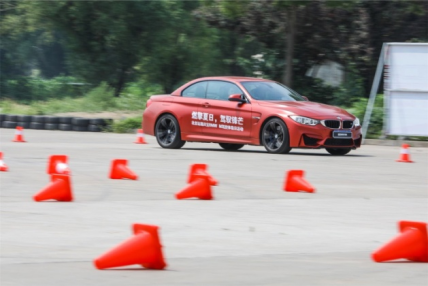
(406, 89)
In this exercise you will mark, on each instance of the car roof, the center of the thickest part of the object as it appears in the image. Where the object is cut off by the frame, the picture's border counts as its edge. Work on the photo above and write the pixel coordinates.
(233, 78)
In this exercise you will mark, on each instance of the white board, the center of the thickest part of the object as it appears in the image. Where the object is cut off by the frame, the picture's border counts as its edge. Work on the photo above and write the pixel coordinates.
(406, 89)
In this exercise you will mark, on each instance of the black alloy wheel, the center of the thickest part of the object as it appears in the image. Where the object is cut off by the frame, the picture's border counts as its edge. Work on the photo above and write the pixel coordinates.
(231, 147)
(338, 151)
(275, 136)
(167, 132)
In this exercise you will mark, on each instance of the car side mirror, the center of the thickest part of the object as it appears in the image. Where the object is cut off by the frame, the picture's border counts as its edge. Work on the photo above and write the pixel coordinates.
(237, 97)
(305, 98)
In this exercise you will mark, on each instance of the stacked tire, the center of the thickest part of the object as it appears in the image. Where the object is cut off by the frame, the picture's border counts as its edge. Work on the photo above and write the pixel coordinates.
(54, 123)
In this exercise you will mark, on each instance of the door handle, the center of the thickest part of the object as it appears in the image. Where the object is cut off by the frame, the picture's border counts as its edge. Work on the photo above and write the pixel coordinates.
(205, 104)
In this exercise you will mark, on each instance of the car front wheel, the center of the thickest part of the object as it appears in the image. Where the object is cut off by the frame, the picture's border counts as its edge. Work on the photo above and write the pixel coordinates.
(275, 136)
(168, 132)
(231, 147)
(338, 151)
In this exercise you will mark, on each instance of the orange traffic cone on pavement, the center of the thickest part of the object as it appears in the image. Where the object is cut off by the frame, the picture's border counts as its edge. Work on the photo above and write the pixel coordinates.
(295, 182)
(140, 137)
(200, 183)
(59, 189)
(119, 170)
(3, 166)
(143, 248)
(410, 244)
(57, 164)
(404, 154)
(19, 137)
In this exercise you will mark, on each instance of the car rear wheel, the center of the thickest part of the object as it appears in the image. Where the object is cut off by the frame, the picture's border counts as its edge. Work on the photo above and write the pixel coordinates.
(167, 132)
(338, 151)
(275, 136)
(231, 147)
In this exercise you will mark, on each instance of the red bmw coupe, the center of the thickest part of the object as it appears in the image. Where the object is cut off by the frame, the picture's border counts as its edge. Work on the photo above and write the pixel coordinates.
(234, 111)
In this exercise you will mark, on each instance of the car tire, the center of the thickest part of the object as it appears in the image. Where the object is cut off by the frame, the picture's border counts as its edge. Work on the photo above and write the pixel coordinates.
(80, 128)
(98, 121)
(94, 128)
(10, 117)
(24, 118)
(167, 132)
(83, 122)
(9, 124)
(274, 136)
(51, 126)
(338, 151)
(37, 125)
(38, 119)
(23, 124)
(65, 120)
(51, 119)
(230, 147)
(65, 127)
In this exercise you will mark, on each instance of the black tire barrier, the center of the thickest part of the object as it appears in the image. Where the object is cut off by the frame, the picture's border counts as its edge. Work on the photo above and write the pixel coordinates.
(65, 120)
(80, 128)
(10, 117)
(51, 119)
(65, 127)
(23, 124)
(51, 126)
(95, 128)
(37, 125)
(2, 117)
(9, 124)
(24, 118)
(100, 121)
(38, 119)
(83, 122)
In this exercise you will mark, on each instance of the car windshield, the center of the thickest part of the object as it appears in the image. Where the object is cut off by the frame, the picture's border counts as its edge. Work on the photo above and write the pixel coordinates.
(265, 90)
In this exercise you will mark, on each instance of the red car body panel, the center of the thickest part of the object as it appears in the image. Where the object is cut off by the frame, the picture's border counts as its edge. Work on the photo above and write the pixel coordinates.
(223, 121)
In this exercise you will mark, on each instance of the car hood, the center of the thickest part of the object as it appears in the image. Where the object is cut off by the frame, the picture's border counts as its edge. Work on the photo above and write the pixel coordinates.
(309, 109)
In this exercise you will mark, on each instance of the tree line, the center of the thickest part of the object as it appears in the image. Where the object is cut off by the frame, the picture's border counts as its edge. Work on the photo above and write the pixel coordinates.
(170, 42)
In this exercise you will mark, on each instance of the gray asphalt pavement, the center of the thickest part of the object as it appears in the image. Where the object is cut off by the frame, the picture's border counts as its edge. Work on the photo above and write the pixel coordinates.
(252, 233)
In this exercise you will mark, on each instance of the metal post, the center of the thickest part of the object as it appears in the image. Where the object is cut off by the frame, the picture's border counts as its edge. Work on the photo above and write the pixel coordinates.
(375, 87)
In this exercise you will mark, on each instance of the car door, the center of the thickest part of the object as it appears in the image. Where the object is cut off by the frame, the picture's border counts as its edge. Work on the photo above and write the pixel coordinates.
(189, 102)
(223, 118)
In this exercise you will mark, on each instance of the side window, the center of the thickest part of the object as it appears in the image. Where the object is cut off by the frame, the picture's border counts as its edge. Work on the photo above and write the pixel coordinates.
(221, 90)
(196, 90)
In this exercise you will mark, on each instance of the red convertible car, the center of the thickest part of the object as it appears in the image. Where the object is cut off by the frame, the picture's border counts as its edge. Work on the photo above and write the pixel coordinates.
(234, 111)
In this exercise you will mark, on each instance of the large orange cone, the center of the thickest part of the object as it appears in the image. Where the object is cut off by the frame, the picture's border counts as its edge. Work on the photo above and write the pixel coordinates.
(410, 244)
(3, 166)
(19, 137)
(59, 189)
(119, 170)
(295, 182)
(200, 170)
(57, 164)
(143, 248)
(140, 137)
(404, 154)
(199, 188)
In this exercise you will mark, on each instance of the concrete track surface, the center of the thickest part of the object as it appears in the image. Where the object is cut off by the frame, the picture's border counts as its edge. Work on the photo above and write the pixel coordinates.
(253, 233)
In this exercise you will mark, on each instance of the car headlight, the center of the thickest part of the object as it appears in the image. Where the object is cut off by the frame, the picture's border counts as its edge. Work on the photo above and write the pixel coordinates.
(357, 122)
(304, 120)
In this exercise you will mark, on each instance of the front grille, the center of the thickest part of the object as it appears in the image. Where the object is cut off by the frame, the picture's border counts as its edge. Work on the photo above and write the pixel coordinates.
(309, 141)
(332, 123)
(347, 124)
(338, 142)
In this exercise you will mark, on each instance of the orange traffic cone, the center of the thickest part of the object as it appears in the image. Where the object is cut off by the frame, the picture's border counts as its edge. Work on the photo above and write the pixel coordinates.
(198, 170)
(119, 170)
(57, 164)
(19, 137)
(140, 137)
(200, 188)
(295, 182)
(143, 248)
(3, 166)
(410, 244)
(405, 154)
(59, 189)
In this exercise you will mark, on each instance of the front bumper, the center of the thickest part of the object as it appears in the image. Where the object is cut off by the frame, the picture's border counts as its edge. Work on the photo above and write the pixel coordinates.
(319, 136)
